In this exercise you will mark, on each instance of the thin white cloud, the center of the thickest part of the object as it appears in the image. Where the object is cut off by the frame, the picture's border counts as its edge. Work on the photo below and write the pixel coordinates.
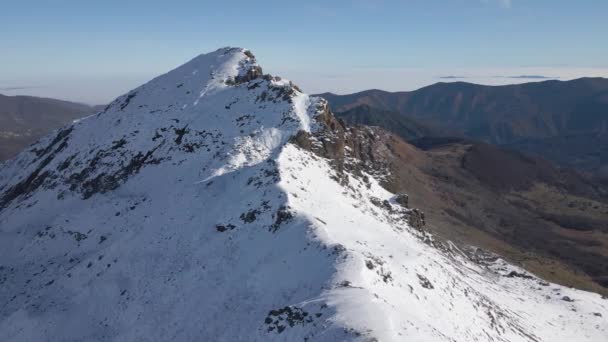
(531, 77)
(11, 88)
(503, 3)
(403, 79)
(506, 3)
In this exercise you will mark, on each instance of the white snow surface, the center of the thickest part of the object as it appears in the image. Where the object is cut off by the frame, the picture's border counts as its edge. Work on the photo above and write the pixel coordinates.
(182, 212)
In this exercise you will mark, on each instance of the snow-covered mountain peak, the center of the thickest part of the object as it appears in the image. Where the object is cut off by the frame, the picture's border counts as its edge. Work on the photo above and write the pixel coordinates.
(201, 76)
(216, 203)
(218, 103)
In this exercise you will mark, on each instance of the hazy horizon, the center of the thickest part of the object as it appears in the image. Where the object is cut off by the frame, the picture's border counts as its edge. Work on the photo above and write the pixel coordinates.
(56, 93)
(89, 52)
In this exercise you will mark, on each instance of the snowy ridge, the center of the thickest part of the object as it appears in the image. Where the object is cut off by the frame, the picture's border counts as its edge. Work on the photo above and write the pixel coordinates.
(421, 292)
(184, 211)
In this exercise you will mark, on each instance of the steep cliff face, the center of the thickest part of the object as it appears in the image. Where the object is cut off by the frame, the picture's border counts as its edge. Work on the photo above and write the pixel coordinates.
(218, 203)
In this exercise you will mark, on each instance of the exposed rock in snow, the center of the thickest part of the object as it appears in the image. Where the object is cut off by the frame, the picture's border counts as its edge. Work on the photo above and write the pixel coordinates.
(216, 203)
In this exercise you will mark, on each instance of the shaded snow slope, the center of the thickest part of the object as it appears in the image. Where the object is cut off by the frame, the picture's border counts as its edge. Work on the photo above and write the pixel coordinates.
(183, 212)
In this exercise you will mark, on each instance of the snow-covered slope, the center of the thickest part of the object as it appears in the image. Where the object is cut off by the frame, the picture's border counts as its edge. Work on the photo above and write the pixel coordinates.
(198, 207)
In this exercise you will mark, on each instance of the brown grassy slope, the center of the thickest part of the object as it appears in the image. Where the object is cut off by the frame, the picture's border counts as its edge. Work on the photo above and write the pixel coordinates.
(554, 223)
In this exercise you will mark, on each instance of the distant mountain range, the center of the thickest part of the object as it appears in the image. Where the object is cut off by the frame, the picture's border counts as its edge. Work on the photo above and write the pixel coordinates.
(25, 119)
(564, 121)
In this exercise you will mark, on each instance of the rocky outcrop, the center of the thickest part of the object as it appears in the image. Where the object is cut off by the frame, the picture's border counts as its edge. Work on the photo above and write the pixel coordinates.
(403, 199)
(359, 150)
(416, 219)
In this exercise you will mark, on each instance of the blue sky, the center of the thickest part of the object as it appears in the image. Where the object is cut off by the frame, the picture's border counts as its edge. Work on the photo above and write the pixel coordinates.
(92, 51)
